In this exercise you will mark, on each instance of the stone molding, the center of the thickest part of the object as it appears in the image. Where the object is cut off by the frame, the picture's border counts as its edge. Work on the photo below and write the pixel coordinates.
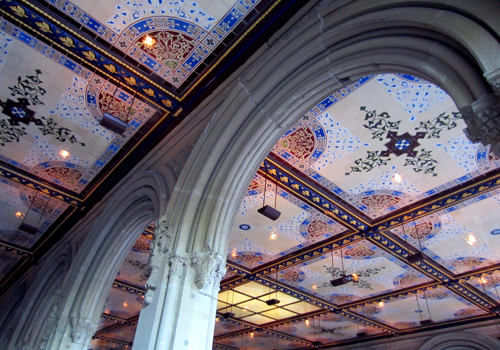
(208, 266)
(483, 122)
(81, 327)
(161, 244)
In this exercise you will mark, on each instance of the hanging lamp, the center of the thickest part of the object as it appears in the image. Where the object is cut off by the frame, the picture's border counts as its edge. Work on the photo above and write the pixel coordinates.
(362, 333)
(274, 301)
(112, 122)
(426, 322)
(343, 279)
(266, 210)
(417, 257)
(30, 228)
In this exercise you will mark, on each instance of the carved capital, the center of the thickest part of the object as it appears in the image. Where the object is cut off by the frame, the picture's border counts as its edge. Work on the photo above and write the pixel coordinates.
(493, 79)
(207, 266)
(177, 263)
(81, 327)
(483, 122)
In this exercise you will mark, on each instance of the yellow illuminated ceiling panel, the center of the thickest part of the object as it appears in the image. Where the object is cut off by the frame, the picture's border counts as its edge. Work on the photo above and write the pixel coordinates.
(257, 319)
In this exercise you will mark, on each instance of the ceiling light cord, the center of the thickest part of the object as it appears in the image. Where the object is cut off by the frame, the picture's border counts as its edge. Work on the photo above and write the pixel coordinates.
(427, 303)
(276, 282)
(342, 260)
(276, 193)
(418, 305)
(29, 208)
(264, 198)
(333, 266)
(43, 212)
(418, 237)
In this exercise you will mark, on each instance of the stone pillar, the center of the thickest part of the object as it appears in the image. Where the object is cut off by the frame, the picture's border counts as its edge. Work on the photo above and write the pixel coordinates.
(183, 316)
(193, 328)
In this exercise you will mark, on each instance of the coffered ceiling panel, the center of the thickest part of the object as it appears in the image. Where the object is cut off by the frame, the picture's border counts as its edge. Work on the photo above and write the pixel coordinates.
(469, 227)
(356, 140)
(438, 304)
(174, 40)
(378, 271)
(299, 226)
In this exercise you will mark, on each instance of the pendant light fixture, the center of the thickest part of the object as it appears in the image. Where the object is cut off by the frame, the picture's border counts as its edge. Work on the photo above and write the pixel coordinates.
(343, 279)
(362, 333)
(317, 343)
(266, 210)
(417, 257)
(274, 301)
(426, 322)
(25, 227)
(112, 122)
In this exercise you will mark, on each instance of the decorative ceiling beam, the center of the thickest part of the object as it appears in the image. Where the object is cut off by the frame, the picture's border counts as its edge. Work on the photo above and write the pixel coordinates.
(112, 340)
(396, 249)
(391, 295)
(322, 303)
(129, 287)
(15, 249)
(70, 40)
(37, 185)
(310, 253)
(282, 175)
(477, 188)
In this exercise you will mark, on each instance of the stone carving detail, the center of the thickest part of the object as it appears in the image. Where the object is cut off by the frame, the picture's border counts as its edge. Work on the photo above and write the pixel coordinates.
(81, 327)
(176, 263)
(161, 244)
(483, 122)
(208, 266)
(178, 161)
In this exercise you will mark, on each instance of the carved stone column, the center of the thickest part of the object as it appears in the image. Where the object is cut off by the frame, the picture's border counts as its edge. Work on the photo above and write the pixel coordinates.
(161, 244)
(483, 122)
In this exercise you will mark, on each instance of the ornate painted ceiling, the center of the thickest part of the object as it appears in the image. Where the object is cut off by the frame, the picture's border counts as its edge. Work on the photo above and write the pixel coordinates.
(376, 174)
(377, 180)
(89, 87)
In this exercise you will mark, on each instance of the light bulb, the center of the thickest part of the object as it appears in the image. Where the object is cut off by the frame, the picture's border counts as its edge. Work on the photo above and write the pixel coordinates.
(397, 178)
(64, 153)
(381, 304)
(148, 41)
(125, 304)
(471, 240)
(273, 236)
(19, 215)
